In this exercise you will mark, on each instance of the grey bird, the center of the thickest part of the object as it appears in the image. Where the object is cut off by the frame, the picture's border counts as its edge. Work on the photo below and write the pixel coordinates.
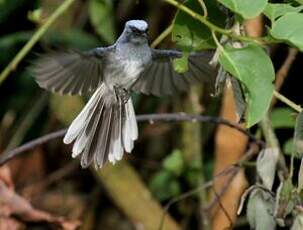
(107, 127)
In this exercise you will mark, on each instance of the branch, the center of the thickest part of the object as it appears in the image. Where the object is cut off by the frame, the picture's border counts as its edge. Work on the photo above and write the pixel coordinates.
(35, 38)
(166, 117)
(285, 67)
(212, 26)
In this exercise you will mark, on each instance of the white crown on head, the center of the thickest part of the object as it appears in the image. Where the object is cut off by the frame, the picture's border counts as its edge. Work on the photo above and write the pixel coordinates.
(139, 24)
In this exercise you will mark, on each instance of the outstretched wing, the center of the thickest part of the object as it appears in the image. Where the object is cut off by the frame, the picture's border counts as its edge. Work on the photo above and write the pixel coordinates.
(159, 77)
(71, 72)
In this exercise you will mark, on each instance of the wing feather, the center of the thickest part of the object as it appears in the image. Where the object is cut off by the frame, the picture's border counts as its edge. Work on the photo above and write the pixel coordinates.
(71, 72)
(159, 77)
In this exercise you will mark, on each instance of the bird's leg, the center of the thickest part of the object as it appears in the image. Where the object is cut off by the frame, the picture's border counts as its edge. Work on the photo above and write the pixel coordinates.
(122, 93)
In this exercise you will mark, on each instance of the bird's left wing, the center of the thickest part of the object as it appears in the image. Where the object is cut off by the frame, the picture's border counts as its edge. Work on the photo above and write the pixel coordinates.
(159, 77)
(71, 72)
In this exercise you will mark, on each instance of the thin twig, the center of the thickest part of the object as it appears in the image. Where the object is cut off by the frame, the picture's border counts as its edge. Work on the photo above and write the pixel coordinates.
(288, 102)
(223, 190)
(166, 117)
(218, 197)
(162, 36)
(204, 8)
(34, 39)
(6, 156)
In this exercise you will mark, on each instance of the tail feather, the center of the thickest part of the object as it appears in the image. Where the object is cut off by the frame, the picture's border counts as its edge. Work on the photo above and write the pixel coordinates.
(101, 152)
(89, 134)
(116, 148)
(80, 121)
(130, 128)
(102, 131)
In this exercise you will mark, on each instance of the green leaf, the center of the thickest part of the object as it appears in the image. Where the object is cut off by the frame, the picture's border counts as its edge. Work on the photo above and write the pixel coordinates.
(174, 162)
(282, 118)
(276, 10)
(289, 28)
(102, 18)
(298, 140)
(252, 66)
(189, 34)
(260, 210)
(288, 146)
(246, 8)
(266, 166)
(164, 185)
(181, 64)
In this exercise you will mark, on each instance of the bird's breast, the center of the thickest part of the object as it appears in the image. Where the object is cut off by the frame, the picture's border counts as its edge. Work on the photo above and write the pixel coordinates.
(123, 71)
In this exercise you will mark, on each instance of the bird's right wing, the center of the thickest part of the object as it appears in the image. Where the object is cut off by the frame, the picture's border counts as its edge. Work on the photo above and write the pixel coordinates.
(159, 77)
(71, 72)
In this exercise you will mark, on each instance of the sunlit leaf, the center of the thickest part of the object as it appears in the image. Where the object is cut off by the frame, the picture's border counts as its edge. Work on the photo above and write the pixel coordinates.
(260, 210)
(275, 10)
(266, 166)
(181, 64)
(246, 8)
(102, 17)
(252, 66)
(289, 28)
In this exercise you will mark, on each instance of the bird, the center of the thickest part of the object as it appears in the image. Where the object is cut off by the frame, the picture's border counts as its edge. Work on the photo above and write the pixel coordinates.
(107, 127)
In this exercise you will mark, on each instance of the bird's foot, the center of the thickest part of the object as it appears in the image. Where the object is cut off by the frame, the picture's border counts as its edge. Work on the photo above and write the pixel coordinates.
(122, 93)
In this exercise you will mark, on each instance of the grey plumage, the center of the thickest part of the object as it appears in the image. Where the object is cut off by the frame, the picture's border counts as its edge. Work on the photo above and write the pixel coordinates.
(106, 127)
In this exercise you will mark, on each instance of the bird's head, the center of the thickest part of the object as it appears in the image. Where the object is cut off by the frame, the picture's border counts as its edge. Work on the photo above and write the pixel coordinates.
(136, 31)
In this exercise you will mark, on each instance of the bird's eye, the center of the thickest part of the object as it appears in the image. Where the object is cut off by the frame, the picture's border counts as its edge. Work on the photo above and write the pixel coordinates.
(135, 30)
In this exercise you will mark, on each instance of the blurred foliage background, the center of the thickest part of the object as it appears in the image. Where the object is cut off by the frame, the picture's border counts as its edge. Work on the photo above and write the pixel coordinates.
(169, 159)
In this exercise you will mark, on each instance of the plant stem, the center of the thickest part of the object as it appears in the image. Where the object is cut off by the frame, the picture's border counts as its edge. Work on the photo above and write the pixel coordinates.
(212, 26)
(288, 102)
(162, 36)
(34, 39)
(204, 8)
